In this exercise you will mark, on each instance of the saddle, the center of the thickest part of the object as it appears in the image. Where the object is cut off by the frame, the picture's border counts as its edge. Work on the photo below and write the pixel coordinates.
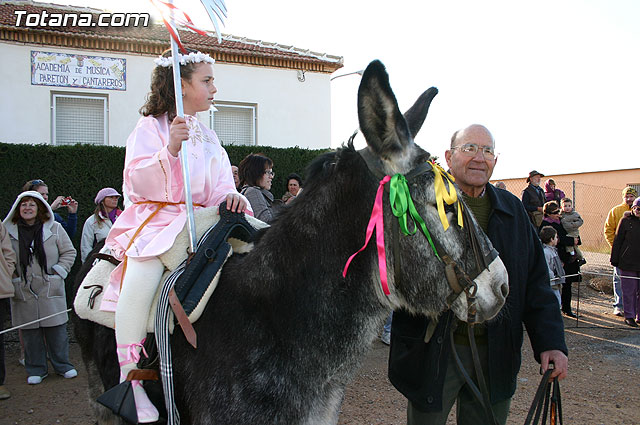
(213, 251)
(220, 236)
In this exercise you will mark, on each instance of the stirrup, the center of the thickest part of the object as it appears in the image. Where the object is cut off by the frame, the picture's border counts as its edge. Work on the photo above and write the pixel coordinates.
(121, 401)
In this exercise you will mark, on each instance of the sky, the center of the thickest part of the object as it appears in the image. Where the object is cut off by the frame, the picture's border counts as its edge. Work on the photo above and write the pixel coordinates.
(556, 82)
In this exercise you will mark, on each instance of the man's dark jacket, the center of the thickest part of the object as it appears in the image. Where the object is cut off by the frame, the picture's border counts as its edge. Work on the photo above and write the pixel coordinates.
(533, 198)
(417, 369)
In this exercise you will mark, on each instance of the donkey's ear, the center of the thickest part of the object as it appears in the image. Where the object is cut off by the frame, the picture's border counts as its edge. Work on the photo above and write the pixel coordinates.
(381, 121)
(418, 112)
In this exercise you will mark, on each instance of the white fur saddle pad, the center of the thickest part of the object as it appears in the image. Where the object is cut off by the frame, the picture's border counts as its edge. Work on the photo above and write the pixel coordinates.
(98, 277)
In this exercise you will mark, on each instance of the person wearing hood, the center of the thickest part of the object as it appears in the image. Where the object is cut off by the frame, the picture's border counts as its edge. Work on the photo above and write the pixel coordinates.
(97, 226)
(551, 193)
(45, 255)
(625, 255)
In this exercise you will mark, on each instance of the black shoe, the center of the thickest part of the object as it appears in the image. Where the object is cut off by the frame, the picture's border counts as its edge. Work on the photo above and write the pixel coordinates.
(569, 314)
(581, 262)
(631, 323)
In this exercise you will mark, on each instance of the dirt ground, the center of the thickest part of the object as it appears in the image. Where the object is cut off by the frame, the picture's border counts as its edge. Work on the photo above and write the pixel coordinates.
(602, 387)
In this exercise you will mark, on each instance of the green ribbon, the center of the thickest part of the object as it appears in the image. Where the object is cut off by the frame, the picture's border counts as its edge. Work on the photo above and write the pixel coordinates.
(403, 208)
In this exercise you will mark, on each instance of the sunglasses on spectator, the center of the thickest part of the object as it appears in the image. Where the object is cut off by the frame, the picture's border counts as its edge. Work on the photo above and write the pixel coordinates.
(270, 173)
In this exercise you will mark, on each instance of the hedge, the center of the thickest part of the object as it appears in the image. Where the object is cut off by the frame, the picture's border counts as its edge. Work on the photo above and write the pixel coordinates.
(81, 170)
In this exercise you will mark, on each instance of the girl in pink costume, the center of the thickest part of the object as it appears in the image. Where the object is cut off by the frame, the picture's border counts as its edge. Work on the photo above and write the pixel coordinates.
(153, 183)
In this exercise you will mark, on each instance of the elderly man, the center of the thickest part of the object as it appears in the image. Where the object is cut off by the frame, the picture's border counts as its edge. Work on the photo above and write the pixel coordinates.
(421, 364)
(629, 194)
(533, 198)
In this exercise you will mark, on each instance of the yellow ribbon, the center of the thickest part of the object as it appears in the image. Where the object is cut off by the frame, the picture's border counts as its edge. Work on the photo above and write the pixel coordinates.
(445, 194)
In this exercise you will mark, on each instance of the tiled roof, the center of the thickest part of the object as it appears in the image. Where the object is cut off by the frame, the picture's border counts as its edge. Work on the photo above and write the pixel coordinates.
(154, 38)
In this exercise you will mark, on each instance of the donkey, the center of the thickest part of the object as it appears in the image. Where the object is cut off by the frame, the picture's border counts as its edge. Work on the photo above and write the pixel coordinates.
(285, 332)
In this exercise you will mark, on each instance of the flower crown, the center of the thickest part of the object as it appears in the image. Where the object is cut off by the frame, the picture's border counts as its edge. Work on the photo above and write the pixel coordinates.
(193, 57)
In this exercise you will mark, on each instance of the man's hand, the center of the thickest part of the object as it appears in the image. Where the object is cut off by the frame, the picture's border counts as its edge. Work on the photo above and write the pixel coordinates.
(559, 360)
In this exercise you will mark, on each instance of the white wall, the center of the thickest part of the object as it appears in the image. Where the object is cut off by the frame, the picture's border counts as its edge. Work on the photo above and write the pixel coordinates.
(289, 112)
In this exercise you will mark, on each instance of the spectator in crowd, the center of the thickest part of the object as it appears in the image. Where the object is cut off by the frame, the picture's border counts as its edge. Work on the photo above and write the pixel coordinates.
(7, 267)
(97, 226)
(501, 185)
(72, 205)
(549, 238)
(256, 174)
(629, 195)
(533, 198)
(294, 186)
(236, 177)
(551, 193)
(44, 257)
(551, 212)
(625, 255)
(421, 363)
(571, 221)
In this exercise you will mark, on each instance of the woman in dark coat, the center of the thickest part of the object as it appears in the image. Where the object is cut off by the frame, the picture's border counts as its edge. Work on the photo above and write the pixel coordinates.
(551, 212)
(625, 254)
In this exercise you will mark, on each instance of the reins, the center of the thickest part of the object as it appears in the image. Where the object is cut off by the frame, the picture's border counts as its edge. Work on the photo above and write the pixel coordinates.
(546, 400)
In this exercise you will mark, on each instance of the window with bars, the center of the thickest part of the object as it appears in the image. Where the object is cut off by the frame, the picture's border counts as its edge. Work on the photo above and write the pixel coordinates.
(235, 124)
(79, 119)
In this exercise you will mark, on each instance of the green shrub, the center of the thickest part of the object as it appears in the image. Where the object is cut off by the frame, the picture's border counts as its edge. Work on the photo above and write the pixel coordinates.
(81, 170)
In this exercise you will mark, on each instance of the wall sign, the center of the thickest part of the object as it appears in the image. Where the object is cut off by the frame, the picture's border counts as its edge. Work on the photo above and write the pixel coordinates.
(69, 70)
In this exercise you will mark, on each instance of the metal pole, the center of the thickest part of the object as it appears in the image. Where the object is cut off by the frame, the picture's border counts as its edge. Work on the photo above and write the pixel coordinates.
(184, 157)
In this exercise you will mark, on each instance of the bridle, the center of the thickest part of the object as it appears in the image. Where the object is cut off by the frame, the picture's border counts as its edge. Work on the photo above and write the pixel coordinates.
(459, 280)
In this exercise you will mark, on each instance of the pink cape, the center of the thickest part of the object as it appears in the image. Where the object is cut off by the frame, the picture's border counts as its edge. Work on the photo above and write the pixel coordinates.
(151, 173)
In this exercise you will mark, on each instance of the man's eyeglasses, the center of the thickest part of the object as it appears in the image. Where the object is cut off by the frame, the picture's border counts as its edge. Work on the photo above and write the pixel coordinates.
(554, 212)
(471, 149)
(270, 173)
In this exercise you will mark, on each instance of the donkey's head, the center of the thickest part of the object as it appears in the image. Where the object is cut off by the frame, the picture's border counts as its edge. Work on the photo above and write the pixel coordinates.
(425, 276)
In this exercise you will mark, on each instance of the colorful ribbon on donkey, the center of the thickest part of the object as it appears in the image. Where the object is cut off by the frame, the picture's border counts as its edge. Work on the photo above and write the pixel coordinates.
(402, 206)
(376, 222)
(445, 195)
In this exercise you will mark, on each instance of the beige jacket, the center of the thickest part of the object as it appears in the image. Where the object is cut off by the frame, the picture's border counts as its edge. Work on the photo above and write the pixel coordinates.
(39, 294)
(7, 264)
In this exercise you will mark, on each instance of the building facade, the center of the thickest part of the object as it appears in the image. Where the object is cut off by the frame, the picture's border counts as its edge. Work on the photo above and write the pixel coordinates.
(70, 83)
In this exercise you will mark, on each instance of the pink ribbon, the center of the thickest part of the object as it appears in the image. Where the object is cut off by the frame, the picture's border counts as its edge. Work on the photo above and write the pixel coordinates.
(376, 222)
(133, 356)
(180, 17)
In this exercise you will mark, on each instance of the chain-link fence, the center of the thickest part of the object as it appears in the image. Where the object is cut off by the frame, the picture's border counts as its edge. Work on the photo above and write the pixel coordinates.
(592, 202)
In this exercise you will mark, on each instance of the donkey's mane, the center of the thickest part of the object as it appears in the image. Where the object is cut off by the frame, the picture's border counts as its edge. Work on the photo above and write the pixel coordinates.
(322, 167)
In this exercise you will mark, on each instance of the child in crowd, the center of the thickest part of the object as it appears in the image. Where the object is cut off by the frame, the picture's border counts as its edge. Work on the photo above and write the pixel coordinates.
(153, 183)
(571, 221)
(549, 238)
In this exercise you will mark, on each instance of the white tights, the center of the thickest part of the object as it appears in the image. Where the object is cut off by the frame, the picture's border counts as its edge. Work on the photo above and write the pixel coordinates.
(140, 283)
